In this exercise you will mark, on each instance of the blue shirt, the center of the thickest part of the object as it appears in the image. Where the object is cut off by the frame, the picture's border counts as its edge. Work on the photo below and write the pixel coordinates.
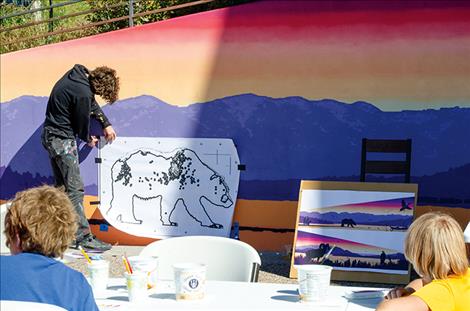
(37, 278)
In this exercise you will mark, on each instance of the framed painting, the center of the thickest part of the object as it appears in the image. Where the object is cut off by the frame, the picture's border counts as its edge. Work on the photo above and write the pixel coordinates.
(357, 228)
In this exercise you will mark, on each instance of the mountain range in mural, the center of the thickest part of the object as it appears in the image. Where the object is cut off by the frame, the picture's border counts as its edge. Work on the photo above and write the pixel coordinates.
(311, 247)
(280, 140)
(338, 251)
(314, 218)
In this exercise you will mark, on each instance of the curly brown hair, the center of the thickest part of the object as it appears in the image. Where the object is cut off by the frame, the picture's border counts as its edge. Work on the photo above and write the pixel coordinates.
(105, 83)
(44, 220)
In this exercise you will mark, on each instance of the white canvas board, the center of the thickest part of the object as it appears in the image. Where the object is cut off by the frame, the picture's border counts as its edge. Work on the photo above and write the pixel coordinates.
(165, 187)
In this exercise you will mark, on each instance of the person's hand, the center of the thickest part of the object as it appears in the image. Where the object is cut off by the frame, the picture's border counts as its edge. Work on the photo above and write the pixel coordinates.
(399, 292)
(93, 141)
(109, 134)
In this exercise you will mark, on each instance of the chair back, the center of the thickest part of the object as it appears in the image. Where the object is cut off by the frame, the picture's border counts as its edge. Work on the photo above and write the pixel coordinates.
(383, 146)
(466, 233)
(10, 305)
(4, 250)
(226, 259)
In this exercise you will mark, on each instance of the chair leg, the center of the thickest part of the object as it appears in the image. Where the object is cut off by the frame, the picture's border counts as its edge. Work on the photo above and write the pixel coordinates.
(254, 273)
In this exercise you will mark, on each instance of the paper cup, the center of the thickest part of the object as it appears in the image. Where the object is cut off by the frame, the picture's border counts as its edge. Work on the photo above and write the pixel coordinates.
(136, 286)
(99, 274)
(190, 281)
(146, 265)
(314, 281)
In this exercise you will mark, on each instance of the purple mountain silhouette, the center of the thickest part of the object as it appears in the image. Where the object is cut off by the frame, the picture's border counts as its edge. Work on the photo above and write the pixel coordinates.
(338, 251)
(281, 140)
(359, 218)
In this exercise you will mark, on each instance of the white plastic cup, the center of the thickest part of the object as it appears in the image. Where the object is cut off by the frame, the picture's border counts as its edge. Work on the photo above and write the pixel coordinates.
(190, 281)
(148, 265)
(136, 286)
(99, 274)
(314, 281)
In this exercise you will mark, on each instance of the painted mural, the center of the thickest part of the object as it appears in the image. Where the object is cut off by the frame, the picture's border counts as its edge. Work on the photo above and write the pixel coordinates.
(295, 84)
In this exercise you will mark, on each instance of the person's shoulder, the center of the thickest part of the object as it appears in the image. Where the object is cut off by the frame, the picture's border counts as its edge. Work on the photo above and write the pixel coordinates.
(21, 257)
(6, 259)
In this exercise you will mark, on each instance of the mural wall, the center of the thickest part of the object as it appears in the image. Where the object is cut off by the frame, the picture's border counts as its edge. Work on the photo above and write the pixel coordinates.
(295, 84)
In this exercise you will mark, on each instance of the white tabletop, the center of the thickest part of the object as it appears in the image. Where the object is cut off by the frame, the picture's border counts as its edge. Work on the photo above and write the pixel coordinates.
(233, 296)
(7, 305)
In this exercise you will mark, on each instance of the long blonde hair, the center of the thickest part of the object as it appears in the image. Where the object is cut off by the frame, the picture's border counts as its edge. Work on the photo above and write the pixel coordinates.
(435, 246)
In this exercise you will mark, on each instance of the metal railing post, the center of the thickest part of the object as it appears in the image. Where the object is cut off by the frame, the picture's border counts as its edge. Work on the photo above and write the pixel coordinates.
(51, 16)
(131, 13)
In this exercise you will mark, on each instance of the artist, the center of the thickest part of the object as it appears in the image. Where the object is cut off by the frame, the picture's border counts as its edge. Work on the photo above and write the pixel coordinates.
(69, 109)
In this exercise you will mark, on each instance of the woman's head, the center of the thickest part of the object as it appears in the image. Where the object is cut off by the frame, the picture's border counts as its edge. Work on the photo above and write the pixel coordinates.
(435, 246)
(41, 220)
(105, 83)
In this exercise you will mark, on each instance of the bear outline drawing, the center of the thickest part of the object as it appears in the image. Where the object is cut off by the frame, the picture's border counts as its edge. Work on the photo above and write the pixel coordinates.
(183, 172)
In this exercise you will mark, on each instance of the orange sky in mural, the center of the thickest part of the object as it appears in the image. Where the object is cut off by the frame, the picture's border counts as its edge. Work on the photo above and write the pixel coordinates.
(396, 56)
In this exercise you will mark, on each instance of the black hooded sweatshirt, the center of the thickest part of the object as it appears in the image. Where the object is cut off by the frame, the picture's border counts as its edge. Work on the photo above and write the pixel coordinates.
(70, 106)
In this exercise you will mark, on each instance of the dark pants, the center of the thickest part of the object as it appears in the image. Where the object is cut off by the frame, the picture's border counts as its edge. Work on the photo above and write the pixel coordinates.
(63, 154)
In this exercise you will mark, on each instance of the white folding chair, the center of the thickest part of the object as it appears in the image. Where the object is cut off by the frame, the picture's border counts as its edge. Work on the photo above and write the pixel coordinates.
(4, 250)
(466, 233)
(226, 259)
(10, 305)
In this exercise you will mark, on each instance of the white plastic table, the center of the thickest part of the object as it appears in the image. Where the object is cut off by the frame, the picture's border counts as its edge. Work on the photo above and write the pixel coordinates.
(7, 305)
(233, 296)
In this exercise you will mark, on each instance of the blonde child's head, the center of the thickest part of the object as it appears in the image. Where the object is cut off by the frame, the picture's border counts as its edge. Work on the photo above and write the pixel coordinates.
(435, 246)
(42, 220)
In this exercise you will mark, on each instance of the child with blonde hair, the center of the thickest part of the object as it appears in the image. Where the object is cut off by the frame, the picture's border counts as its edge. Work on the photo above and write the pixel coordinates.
(39, 226)
(435, 247)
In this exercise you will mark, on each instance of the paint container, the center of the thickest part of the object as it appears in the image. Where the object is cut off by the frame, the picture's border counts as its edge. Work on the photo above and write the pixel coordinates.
(314, 281)
(99, 274)
(148, 265)
(190, 281)
(136, 286)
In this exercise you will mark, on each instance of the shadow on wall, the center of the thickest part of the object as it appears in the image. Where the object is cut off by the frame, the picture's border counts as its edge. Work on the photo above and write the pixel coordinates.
(30, 167)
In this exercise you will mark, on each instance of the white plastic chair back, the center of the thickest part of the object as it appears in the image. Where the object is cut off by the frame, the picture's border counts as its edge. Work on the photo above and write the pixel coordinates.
(226, 259)
(466, 233)
(4, 250)
(9, 305)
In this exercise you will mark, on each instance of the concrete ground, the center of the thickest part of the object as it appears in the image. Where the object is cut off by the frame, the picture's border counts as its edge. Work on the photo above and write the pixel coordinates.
(274, 266)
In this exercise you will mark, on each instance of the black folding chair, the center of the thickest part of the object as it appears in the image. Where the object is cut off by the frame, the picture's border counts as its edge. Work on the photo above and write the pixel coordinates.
(386, 166)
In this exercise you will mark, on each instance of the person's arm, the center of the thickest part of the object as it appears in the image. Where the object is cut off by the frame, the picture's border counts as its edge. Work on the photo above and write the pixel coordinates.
(436, 296)
(405, 291)
(98, 114)
(87, 300)
(410, 303)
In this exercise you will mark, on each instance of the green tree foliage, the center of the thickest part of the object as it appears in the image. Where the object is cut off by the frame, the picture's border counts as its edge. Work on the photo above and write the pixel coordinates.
(103, 10)
(140, 6)
(7, 36)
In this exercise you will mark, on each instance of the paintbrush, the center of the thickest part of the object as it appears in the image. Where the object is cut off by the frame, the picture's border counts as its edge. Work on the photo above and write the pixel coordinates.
(327, 254)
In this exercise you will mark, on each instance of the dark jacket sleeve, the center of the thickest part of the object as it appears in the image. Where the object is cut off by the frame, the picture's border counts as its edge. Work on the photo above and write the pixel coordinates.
(81, 118)
(99, 115)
